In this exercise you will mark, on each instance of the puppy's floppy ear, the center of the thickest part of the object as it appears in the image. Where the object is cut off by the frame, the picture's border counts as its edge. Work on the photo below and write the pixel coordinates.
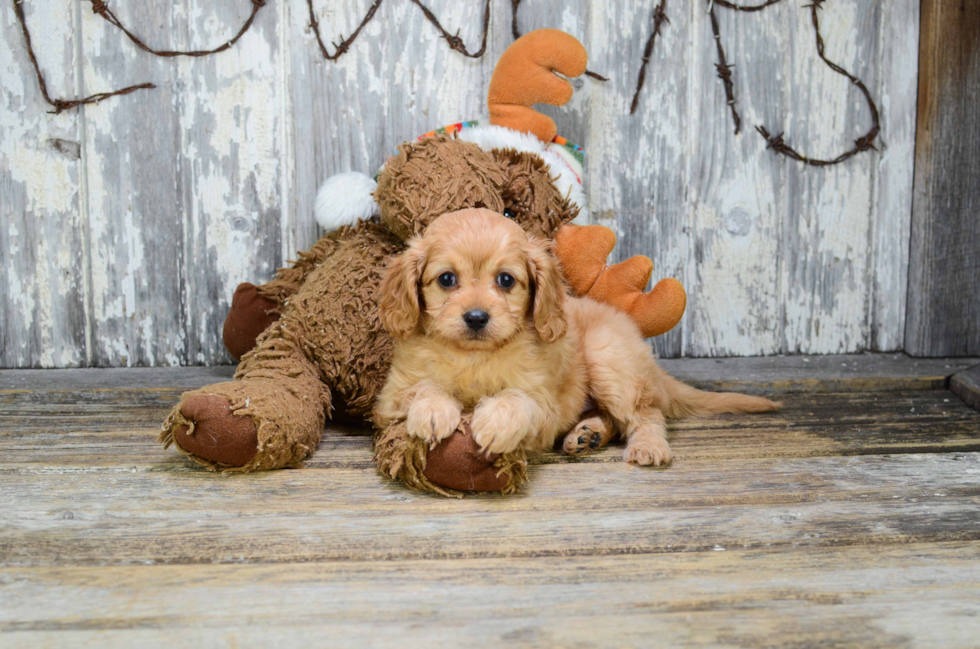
(549, 291)
(399, 306)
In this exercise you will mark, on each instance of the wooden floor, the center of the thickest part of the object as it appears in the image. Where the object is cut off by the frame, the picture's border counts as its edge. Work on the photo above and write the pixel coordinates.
(852, 517)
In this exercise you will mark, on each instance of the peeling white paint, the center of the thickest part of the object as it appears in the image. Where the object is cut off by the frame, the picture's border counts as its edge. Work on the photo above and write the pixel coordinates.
(209, 180)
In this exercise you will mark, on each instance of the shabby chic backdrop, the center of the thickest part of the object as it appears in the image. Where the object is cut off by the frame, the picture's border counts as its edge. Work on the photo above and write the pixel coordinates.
(127, 221)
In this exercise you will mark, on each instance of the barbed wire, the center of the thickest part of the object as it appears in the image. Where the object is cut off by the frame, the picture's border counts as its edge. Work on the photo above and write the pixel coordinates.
(455, 42)
(659, 18)
(59, 104)
(724, 68)
(101, 8)
(777, 142)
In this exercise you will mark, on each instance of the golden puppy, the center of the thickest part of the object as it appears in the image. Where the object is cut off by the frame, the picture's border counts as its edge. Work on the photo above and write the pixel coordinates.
(481, 320)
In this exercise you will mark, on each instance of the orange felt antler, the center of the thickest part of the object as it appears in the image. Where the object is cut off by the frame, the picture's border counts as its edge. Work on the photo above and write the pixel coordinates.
(583, 251)
(525, 75)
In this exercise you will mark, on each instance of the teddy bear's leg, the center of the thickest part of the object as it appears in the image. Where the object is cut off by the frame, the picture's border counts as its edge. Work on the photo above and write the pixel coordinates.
(455, 465)
(269, 417)
(592, 433)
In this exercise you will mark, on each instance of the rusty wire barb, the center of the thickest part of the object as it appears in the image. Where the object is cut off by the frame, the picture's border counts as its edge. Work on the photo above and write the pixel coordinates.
(659, 18)
(61, 105)
(776, 142)
(725, 70)
(101, 8)
(455, 42)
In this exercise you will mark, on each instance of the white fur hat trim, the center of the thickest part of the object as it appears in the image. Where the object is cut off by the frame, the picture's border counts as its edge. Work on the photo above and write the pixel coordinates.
(569, 173)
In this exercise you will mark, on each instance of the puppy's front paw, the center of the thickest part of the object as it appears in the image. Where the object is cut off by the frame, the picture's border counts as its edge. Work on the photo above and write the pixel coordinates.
(647, 450)
(432, 419)
(500, 424)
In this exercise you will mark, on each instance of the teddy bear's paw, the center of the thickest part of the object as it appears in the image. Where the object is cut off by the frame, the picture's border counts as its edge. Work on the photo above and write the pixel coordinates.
(213, 433)
(433, 419)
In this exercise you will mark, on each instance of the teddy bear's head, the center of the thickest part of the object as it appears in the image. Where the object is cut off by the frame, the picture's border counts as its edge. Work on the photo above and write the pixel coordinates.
(441, 174)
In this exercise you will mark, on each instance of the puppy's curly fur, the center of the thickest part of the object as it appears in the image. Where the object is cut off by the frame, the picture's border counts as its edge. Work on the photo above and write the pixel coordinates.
(481, 320)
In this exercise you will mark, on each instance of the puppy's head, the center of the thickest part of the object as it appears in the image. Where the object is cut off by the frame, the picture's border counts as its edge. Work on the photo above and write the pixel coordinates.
(475, 280)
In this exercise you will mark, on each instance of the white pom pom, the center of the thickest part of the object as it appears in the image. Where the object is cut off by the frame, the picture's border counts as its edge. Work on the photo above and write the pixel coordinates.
(344, 199)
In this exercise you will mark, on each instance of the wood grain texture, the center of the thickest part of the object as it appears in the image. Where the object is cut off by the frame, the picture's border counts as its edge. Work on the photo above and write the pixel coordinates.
(777, 374)
(89, 428)
(43, 320)
(966, 385)
(735, 598)
(181, 192)
(846, 519)
(943, 302)
(126, 518)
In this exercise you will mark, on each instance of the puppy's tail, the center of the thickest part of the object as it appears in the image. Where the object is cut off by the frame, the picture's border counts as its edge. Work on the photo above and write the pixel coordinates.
(685, 401)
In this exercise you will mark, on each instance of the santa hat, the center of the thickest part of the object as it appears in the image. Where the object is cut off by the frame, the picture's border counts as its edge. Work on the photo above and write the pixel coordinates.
(347, 198)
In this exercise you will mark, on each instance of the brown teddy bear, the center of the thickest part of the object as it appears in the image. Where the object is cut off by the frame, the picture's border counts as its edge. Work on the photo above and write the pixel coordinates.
(310, 340)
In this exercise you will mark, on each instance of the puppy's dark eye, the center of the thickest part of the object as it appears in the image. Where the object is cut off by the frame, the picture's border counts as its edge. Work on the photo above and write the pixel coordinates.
(447, 280)
(504, 280)
(509, 213)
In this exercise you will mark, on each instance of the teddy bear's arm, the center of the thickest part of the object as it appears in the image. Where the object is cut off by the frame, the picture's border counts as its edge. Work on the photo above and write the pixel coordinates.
(255, 307)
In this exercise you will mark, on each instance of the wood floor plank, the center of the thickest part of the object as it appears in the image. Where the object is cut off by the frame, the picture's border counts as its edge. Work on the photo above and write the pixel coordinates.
(908, 595)
(93, 430)
(66, 518)
(799, 373)
(966, 385)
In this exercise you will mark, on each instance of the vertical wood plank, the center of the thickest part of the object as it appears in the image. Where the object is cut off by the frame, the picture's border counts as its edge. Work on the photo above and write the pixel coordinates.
(134, 221)
(637, 164)
(825, 248)
(736, 198)
(338, 108)
(228, 163)
(898, 40)
(428, 84)
(944, 270)
(42, 284)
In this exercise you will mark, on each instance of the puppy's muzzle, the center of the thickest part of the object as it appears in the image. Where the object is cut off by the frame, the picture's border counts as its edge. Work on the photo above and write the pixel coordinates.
(476, 319)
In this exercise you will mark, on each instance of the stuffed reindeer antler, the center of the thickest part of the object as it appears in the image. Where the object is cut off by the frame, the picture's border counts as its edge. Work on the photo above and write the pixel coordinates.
(583, 251)
(524, 76)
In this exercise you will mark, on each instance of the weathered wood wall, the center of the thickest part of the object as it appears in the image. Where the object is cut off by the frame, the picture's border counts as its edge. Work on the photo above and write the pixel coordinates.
(126, 225)
(944, 308)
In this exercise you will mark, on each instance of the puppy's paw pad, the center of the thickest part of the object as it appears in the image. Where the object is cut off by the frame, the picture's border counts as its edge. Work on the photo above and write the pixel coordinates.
(648, 453)
(582, 440)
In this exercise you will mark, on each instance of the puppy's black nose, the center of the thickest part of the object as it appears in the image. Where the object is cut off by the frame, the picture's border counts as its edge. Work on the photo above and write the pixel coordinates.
(476, 319)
